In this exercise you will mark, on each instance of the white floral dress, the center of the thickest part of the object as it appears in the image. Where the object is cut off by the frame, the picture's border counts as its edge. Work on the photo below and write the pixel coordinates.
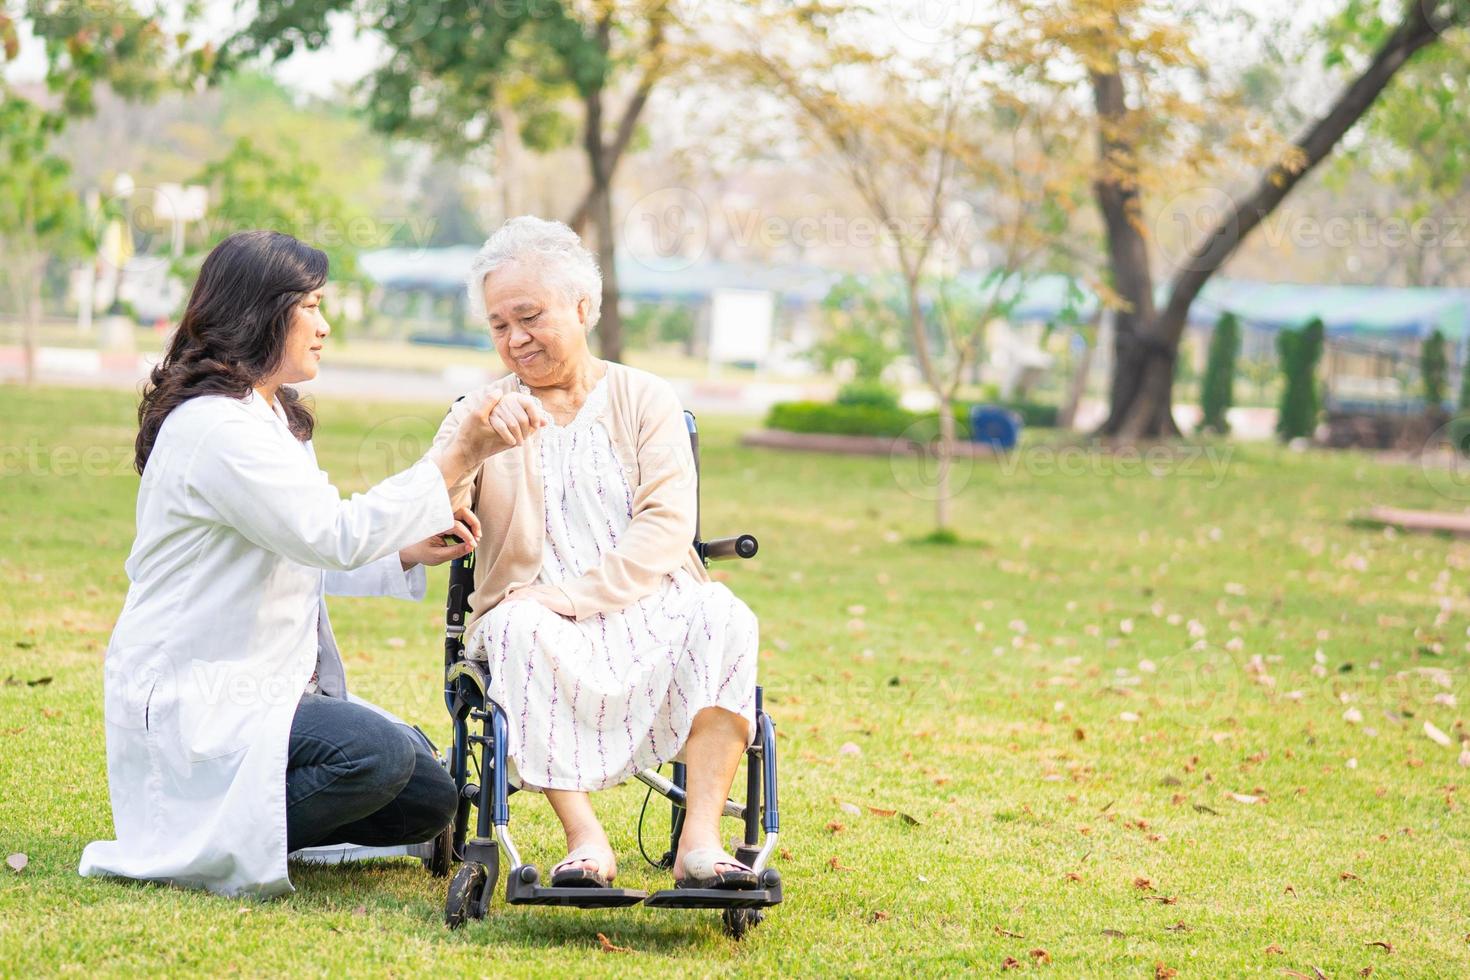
(592, 701)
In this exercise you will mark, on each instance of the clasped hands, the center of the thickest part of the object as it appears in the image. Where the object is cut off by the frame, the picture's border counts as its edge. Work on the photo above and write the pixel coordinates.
(503, 421)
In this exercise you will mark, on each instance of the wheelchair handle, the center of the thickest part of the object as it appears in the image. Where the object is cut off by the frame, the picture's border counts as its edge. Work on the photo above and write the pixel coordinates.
(720, 549)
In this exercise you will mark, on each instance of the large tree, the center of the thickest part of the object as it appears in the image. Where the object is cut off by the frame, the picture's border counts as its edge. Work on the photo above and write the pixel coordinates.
(456, 70)
(1127, 50)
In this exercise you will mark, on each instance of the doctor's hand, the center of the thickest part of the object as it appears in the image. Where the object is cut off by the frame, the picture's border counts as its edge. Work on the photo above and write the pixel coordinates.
(441, 548)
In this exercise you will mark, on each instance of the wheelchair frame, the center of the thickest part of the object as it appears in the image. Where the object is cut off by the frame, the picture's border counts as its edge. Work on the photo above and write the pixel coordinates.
(466, 695)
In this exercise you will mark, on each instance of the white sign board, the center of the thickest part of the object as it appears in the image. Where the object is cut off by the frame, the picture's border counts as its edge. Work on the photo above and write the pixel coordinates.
(740, 325)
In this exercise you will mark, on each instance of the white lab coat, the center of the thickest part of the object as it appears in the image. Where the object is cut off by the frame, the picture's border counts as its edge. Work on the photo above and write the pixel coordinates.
(239, 536)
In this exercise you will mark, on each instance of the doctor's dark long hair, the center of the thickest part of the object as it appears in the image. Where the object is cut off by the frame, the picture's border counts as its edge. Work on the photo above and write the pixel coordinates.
(233, 333)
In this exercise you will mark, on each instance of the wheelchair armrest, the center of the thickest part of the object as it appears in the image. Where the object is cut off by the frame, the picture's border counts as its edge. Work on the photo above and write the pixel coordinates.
(721, 549)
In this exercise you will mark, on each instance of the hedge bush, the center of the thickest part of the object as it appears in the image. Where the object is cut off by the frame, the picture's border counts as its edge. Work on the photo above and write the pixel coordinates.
(890, 422)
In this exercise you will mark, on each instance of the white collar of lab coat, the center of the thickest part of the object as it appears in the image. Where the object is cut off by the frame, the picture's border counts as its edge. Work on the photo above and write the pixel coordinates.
(267, 409)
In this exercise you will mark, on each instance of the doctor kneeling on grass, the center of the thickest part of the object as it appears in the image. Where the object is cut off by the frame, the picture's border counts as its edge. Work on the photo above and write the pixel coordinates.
(230, 737)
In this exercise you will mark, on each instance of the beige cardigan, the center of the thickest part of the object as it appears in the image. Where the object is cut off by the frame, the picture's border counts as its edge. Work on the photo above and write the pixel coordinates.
(646, 427)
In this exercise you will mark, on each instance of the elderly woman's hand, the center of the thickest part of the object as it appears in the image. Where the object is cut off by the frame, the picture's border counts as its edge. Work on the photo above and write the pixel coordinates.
(517, 417)
(549, 596)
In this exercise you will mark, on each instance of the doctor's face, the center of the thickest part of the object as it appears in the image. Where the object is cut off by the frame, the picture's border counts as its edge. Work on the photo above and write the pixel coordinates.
(309, 330)
(539, 334)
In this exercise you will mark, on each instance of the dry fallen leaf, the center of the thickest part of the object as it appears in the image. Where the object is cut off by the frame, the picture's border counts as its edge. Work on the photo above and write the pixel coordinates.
(17, 862)
(1275, 948)
(1115, 933)
(1387, 947)
(1010, 963)
(1006, 932)
(879, 916)
(1436, 736)
(1177, 927)
(1073, 876)
(608, 947)
(1366, 971)
(1243, 798)
(836, 865)
(1040, 955)
(1143, 884)
(1162, 899)
(1162, 972)
(835, 827)
(1347, 876)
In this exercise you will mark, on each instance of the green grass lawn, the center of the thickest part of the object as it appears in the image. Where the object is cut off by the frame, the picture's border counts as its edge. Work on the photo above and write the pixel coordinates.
(1119, 716)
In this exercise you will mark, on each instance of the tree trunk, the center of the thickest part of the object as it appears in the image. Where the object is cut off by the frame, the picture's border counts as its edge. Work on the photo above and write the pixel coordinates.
(945, 451)
(1138, 363)
(510, 157)
(32, 326)
(1078, 388)
(1142, 378)
(610, 326)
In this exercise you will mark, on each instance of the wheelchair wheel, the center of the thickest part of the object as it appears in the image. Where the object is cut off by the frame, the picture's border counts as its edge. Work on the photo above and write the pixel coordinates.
(441, 858)
(469, 895)
(738, 922)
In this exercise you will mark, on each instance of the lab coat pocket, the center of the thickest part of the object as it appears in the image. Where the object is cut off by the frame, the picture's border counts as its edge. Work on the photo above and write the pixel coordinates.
(132, 677)
(218, 706)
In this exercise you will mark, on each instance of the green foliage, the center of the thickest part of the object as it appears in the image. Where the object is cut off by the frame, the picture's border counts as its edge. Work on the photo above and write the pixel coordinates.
(1464, 401)
(1460, 434)
(39, 212)
(1217, 391)
(889, 421)
(109, 42)
(867, 392)
(284, 191)
(659, 323)
(1299, 350)
(865, 320)
(450, 61)
(1433, 368)
(847, 420)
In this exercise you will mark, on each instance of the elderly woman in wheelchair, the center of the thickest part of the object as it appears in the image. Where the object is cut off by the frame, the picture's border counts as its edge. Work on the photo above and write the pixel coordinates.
(601, 639)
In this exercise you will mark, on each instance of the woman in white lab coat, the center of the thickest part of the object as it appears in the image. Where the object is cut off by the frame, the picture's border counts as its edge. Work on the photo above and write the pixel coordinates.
(230, 739)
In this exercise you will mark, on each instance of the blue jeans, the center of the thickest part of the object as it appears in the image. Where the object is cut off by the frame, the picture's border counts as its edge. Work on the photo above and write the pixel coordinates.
(355, 777)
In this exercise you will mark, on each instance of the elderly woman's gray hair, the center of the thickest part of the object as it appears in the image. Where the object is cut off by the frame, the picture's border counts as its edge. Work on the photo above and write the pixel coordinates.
(550, 247)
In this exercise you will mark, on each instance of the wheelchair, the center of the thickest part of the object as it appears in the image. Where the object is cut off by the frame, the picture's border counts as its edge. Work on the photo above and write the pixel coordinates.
(476, 759)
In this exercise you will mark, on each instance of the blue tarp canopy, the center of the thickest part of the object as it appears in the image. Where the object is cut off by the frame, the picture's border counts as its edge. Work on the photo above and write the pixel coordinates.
(1366, 312)
(1370, 312)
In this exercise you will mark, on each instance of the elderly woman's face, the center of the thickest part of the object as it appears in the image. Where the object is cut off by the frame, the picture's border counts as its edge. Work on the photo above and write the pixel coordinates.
(539, 334)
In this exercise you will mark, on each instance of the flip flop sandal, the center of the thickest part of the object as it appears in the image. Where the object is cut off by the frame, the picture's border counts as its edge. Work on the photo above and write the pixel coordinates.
(699, 871)
(563, 876)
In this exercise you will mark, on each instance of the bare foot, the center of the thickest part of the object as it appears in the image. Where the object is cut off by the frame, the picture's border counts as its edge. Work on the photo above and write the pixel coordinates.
(602, 861)
(690, 842)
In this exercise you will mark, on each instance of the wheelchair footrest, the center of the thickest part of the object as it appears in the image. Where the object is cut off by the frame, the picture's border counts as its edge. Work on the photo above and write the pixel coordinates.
(713, 898)
(520, 892)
